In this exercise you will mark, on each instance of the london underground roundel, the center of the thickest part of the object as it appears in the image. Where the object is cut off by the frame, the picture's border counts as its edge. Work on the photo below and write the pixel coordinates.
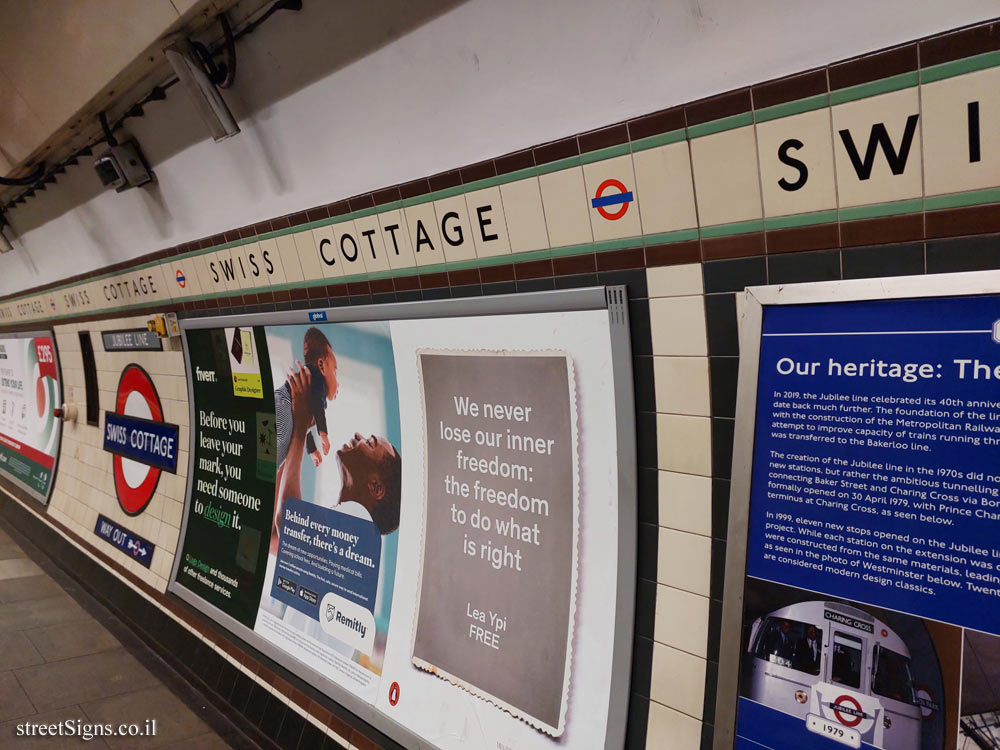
(135, 482)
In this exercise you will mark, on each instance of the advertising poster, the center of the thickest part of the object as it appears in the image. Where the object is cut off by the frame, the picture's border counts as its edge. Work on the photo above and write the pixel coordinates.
(871, 605)
(419, 516)
(501, 625)
(332, 554)
(29, 430)
(228, 526)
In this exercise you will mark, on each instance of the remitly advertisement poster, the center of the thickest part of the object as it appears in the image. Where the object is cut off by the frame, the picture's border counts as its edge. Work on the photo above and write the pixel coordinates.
(871, 614)
(30, 393)
(422, 513)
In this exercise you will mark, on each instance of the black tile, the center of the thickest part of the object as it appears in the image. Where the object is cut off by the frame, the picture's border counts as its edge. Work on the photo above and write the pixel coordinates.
(638, 721)
(338, 302)
(720, 508)
(734, 274)
(645, 436)
(707, 737)
(331, 744)
(642, 665)
(227, 679)
(409, 295)
(256, 704)
(718, 574)
(633, 278)
(383, 298)
(311, 738)
(721, 323)
(646, 553)
(645, 607)
(576, 281)
(722, 447)
(360, 299)
(441, 292)
(304, 304)
(795, 268)
(500, 287)
(714, 628)
(883, 260)
(467, 290)
(644, 384)
(209, 666)
(724, 372)
(273, 716)
(649, 491)
(545, 284)
(963, 254)
(638, 318)
(711, 685)
(291, 729)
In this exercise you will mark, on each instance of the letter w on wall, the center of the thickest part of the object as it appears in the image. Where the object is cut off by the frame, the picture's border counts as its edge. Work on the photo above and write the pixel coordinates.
(879, 137)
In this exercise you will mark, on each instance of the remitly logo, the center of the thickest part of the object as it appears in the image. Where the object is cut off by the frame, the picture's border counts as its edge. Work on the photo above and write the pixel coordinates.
(142, 443)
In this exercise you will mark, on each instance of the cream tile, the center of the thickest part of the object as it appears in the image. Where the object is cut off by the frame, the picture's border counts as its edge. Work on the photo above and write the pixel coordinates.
(684, 561)
(421, 222)
(678, 680)
(726, 181)
(221, 264)
(397, 239)
(682, 620)
(684, 444)
(289, 258)
(945, 116)
(678, 326)
(567, 210)
(456, 232)
(794, 188)
(685, 502)
(606, 176)
(250, 252)
(854, 123)
(272, 269)
(372, 244)
(489, 225)
(663, 179)
(351, 260)
(522, 204)
(326, 246)
(308, 253)
(682, 385)
(242, 267)
(668, 728)
(675, 281)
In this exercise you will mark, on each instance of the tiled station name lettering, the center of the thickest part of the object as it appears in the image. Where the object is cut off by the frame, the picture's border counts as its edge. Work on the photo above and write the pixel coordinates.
(887, 145)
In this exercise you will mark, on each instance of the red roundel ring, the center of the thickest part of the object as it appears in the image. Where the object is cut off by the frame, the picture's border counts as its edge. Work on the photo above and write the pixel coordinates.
(134, 495)
(394, 694)
(617, 184)
(850, 721)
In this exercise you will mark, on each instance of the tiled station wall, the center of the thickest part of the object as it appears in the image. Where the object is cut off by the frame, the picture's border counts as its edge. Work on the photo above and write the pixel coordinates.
(709, 219)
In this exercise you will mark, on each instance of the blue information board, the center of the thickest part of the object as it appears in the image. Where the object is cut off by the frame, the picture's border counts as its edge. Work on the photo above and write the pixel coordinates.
(144, 440)
(874, 524)
(127, 541)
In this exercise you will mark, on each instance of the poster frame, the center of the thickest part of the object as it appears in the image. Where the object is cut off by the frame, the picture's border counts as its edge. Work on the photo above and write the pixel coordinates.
(756, 298)
(43, 500)
(614, 299)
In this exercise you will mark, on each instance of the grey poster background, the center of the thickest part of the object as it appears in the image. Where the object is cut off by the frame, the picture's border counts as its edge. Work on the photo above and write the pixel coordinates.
(528, 673)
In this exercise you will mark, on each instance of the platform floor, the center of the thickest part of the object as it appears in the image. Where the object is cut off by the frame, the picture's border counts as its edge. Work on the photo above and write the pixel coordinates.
(64, 657)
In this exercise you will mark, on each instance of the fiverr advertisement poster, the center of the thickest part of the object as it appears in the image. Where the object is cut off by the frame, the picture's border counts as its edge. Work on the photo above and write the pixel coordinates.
(427, 512)
(871, 613)
(29, 429)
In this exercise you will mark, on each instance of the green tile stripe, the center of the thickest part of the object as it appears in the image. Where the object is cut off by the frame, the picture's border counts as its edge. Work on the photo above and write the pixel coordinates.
(874, 88)
(960, 67)
(957, 200)
(739, 227)
(882, 209)
(663, 139)
(611, 152)
(787, 109)
(666, 238)
(717, 126)
(801, 220)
